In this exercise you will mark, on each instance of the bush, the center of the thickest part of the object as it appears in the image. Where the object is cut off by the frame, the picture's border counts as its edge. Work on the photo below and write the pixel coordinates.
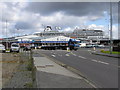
(102, 50)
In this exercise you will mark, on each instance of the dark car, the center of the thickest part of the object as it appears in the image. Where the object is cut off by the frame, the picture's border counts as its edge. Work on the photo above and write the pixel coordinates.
(27, 48)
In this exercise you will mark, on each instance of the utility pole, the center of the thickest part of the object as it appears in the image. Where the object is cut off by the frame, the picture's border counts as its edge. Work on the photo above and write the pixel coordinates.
(6, 36)
(111, 42)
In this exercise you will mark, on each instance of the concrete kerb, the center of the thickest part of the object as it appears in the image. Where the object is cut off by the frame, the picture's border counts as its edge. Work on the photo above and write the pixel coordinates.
(108, 55)
(73, 70)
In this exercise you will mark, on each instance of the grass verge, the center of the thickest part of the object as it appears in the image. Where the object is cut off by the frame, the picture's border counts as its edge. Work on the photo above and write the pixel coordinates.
(31, 67)
(28, 85)
(108, 52)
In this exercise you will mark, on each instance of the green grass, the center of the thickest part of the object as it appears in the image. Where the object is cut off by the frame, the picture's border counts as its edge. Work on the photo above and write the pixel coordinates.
(7, 50)
(29, 65)
(28, 85)
(108, 52)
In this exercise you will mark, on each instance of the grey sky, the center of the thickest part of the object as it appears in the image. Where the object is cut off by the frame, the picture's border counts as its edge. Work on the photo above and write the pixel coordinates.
(31, 16)
(74, 8)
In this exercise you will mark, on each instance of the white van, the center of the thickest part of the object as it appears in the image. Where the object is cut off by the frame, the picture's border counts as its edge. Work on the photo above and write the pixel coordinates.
(2, 48)
(15, 47)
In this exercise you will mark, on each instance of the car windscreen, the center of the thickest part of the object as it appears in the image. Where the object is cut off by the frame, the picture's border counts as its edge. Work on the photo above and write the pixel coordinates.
(15, 45)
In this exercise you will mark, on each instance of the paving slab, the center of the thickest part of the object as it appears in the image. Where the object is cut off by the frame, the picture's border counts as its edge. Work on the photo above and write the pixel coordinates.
(45, 65)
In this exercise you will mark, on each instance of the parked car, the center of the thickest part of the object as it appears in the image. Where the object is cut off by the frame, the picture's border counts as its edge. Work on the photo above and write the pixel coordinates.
(101, 46)
(27, 48)
(89, 46)
(15, 47)
(82, 45)
(2, 48)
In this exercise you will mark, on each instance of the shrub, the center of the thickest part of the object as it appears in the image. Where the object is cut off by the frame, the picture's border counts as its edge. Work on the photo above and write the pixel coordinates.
(102, 50)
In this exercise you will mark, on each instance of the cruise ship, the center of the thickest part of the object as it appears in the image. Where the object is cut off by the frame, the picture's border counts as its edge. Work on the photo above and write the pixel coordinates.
(49, 32)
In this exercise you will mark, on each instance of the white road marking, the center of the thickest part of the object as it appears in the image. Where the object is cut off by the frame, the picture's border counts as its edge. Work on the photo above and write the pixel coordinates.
(103, 62)
(74, 54)
(82, 57)
(67, 54)
(94, 60)
(78, 56)
(53, 55)
(100, 62)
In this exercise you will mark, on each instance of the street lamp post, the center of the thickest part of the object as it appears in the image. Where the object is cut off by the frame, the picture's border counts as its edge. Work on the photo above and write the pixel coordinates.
(6, 37)
(111, 42)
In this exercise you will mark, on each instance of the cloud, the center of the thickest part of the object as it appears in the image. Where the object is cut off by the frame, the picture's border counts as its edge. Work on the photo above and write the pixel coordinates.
(31, 17)
(97, 27)
(95, 9)
(60, 19)
(23, 25)
(69, 29)
(9, 10)
(69, 8)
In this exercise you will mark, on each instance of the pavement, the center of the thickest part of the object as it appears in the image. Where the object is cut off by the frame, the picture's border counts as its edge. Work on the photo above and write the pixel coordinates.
(105, 54)
(51, 75)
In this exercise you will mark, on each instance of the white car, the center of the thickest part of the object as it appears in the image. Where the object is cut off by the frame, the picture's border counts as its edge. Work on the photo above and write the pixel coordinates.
(101, 46)
(15, 47)
(2, 48)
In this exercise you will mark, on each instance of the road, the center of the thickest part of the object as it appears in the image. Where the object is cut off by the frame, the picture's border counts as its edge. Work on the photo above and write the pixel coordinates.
(102, 71)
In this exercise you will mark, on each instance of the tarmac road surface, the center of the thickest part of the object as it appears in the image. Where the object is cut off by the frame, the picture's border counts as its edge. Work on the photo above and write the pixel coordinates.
(100, 70)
